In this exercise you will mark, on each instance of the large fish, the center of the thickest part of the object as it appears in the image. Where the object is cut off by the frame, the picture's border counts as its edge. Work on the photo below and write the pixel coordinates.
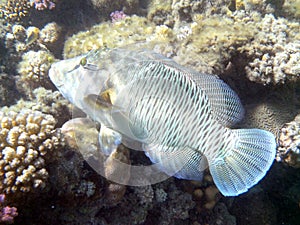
(181, 117)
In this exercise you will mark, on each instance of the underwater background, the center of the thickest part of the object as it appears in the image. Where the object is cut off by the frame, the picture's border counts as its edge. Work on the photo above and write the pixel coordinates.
(254, 46)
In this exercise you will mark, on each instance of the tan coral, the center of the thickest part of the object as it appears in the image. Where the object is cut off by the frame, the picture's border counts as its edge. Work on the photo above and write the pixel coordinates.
(33, 70)
(50, 33)
(25, 138)
(274, 51)
(133, 29)
(15, 10)
(45, 101)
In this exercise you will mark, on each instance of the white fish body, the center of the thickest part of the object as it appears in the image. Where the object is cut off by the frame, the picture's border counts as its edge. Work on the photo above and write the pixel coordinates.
(182, 117)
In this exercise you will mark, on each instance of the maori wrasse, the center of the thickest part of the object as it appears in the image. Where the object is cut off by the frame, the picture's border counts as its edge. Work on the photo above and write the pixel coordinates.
(181, 118)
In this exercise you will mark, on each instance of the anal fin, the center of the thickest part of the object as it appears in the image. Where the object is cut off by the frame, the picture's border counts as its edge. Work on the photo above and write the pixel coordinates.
(181, 162)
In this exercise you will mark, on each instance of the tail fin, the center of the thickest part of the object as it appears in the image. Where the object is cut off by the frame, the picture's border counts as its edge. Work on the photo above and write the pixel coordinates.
(246, 164)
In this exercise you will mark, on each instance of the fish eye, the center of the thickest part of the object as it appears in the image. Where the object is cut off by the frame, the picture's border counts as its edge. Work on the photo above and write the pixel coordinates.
(83, 61)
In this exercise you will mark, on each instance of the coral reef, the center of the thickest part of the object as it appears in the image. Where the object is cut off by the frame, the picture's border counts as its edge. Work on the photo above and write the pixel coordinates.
(289, 143)
(204, 193)
(50, 33)
(33, 70)
(19, 40)
(26, 139)
(115, 192)
(273, 110)
(160, 12)
(213, 41)
(274, 51)
(292, 8)
(109, 34)
(106, 6)
(45, 101)
(271, 56)
(7, 213)
(15, 10)
(236, 37)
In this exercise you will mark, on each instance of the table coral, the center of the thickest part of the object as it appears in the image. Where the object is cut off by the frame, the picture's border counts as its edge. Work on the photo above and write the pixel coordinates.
(26, 138)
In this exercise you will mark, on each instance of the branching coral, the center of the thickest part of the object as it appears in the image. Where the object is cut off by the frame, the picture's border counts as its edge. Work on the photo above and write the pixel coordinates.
(15, 10)
(26, 138)
(20, 40)
(45, 101)
(33, 71)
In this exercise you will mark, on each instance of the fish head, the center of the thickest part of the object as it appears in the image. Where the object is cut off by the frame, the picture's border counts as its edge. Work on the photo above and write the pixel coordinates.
(77, 78)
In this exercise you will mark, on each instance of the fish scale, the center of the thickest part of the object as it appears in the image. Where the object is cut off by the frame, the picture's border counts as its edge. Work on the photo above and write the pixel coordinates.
(183, 119)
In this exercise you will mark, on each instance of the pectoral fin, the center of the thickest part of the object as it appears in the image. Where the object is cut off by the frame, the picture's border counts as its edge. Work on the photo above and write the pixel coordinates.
(104, 101)
(109, 140)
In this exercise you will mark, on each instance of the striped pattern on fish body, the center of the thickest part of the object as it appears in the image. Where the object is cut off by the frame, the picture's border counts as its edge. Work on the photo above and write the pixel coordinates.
(171, 110)
(167, 103)
(182, 117)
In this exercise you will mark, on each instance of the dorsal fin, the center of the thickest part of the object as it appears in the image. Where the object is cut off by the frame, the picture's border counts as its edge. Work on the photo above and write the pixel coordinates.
(226, 105)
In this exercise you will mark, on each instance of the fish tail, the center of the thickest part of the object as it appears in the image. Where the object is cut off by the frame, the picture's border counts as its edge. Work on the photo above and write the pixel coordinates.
(245, 163)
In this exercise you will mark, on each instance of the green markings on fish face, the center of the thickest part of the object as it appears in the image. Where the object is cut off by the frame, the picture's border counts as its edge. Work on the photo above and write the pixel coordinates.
(83, 61)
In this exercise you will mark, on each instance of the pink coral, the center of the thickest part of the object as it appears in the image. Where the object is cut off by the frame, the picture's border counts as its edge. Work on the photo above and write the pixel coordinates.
(7, 213)
(117, 16)
(43, 4)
